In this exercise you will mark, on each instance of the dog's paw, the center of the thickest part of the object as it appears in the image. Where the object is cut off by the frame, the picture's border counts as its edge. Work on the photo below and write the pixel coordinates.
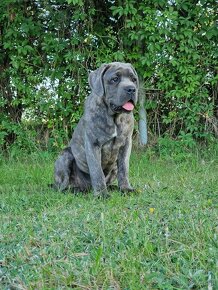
(102, 194)
(126, 190)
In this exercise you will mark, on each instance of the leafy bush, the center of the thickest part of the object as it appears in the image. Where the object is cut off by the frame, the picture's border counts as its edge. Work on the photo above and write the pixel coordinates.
(47, 49)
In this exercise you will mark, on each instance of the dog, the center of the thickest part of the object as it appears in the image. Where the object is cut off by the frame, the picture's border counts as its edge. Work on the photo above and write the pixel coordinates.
(100, 148)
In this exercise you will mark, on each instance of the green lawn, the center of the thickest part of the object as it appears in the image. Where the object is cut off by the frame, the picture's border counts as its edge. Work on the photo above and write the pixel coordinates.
(163, 237)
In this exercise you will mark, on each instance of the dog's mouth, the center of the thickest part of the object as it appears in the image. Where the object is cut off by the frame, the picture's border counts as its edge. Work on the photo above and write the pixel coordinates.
(127, 107)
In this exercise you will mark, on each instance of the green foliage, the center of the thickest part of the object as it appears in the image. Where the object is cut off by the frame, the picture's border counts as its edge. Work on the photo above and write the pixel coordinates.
(48, 47)
(175, 51)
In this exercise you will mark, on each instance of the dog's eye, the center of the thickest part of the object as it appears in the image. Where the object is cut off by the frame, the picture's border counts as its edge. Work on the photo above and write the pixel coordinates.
(115, 79)
(133, 78)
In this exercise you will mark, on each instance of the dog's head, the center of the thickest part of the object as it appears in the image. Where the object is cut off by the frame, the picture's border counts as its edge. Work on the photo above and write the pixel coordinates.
(117, 83)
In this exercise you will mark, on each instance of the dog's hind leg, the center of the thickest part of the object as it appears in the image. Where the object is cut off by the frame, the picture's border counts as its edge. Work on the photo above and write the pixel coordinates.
(63, 170)
(62, 183)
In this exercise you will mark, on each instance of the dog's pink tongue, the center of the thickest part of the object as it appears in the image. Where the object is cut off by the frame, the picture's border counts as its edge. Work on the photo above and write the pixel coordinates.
(128, 106)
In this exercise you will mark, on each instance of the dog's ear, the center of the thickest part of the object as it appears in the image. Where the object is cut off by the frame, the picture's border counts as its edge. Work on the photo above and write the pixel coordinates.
(96, 80)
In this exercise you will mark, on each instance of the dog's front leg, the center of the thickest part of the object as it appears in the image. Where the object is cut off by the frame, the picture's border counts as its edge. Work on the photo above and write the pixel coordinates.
(93, 157)
(123, 167)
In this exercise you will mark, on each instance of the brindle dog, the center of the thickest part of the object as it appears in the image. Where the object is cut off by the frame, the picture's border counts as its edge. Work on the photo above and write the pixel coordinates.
(100, 147)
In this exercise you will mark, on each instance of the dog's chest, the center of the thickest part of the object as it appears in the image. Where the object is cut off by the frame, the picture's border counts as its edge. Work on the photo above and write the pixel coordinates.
(122, 130)
(109, 152)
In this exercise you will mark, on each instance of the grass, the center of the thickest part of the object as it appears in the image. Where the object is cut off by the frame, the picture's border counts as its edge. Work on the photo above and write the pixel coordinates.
(163, 237)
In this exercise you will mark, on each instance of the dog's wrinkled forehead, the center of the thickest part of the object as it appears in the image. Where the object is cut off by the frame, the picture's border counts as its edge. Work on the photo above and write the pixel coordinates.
(117, 68)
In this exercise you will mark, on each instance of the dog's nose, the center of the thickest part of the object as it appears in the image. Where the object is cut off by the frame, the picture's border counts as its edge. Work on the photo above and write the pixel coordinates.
(130, 90)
